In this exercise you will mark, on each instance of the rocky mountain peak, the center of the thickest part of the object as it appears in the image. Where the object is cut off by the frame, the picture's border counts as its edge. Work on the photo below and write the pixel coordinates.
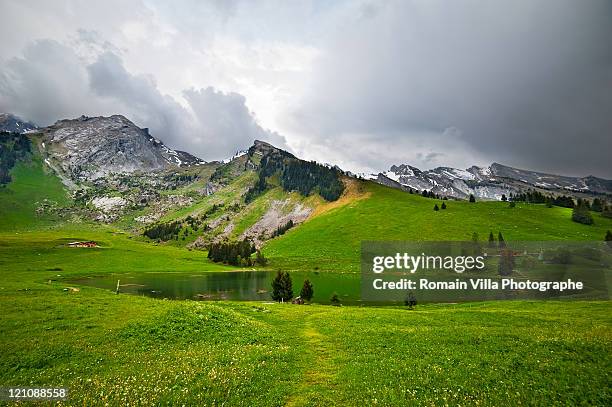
(12, 123)
(92, 147)
(264, 148)
(404, 169)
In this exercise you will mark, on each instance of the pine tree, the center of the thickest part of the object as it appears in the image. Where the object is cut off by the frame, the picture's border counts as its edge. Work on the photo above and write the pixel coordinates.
(436, 208)
(472, 198)
(581, 213)
(477, 248)
(500, 239)
(443, 205)
(506, 263)
(596, 206)
(491, 240)
(410, 301)
(549, 202)
(307, 291)
(282, 287)
(260, 259)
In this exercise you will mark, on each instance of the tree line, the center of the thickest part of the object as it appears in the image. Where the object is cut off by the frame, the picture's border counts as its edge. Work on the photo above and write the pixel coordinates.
(282, 288)
(236, 253)
(297, 175)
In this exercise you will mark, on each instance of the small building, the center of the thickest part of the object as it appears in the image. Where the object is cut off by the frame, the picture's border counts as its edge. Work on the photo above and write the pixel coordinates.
(89, 243)
(298, 300)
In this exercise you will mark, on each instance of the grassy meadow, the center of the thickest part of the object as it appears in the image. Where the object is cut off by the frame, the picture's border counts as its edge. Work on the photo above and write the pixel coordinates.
(331, 241)
(131, 350)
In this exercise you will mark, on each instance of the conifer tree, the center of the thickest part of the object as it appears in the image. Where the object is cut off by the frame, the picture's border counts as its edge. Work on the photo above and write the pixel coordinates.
(410, 301)
(581, 213)
(506, 263)
(282, 287)
(500, 239)
(477, 248)
(307, 291)
(596, 206)
(260, 259)
(436, 208)
(472, 198)
(443, 205)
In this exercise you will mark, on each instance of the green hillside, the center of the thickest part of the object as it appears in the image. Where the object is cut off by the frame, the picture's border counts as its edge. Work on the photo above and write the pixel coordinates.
(31, 184)
(331, 241)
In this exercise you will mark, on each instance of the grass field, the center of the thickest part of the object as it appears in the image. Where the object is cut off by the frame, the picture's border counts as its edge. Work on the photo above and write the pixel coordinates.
(131, 350)
(332, 240)
(30, 184)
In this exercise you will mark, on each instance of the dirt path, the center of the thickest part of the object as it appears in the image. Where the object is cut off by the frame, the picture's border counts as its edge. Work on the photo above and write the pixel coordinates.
(320, 369)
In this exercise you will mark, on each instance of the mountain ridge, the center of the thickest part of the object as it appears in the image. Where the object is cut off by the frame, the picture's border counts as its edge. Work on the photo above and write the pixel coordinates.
(89, 148)
(490, 182)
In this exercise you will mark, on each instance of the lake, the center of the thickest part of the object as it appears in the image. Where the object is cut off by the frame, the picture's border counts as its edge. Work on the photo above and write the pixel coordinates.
(237, 286)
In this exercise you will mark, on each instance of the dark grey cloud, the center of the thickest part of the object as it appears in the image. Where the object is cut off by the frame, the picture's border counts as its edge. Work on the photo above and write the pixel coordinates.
(50, 82)
(524, 83)
(361, 83)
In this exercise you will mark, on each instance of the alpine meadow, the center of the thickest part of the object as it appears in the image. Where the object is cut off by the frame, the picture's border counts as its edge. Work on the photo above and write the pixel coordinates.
(267, 203)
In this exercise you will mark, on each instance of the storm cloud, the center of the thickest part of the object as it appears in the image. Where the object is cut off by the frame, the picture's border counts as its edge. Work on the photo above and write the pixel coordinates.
(363, 84)
(51, 82)
(524, 83)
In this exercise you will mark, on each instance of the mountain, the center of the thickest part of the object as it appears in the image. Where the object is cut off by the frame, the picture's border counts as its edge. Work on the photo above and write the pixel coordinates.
(488, 182)
(88, 148)
(12, 123)
(291, 209)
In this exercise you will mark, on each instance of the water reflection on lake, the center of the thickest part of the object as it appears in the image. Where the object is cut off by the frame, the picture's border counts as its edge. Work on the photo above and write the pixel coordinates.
(238, 286)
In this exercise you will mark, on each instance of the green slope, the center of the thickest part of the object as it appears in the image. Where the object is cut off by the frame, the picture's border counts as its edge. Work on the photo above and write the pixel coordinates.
(30, 184)
(331, 241)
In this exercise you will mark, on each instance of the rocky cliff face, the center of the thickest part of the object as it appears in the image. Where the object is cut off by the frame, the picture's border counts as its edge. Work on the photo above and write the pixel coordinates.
(488, 182)
(14, 124)
(92, 147)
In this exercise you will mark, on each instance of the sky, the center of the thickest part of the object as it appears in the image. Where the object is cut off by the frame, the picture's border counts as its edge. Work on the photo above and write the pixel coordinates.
(361, 84)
